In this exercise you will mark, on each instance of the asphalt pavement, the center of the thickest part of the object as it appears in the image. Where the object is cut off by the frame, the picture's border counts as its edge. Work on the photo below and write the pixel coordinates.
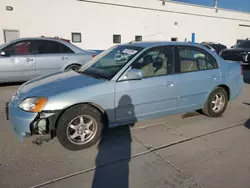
(186, 150)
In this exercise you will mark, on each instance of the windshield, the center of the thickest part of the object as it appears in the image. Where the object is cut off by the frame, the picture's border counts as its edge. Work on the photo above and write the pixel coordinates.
(4, 44)
(107, 64)
(243, 44)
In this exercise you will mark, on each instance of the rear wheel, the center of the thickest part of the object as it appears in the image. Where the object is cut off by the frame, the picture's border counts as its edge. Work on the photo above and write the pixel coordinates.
(80, 127)
(71, 67)
(216, 103)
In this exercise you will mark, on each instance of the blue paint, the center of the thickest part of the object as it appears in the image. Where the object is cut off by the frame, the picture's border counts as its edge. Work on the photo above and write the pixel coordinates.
(241, 5)
(193, 38)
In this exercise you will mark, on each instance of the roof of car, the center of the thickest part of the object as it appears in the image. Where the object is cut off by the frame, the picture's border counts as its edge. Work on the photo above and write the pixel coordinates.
(38, 38)
(46, 38)
(149, 44)
(76, 49)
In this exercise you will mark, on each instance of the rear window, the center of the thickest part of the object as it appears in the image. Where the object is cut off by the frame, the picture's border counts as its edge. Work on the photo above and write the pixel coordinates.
(65, 49)
(47, 47)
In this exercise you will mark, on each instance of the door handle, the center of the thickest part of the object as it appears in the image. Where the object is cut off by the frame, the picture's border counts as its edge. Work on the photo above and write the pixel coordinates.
(170, 84)
(29, 59)
(64, 58)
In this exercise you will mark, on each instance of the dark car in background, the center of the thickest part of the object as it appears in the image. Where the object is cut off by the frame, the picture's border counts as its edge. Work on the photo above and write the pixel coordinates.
(215, 47)
(238, 52)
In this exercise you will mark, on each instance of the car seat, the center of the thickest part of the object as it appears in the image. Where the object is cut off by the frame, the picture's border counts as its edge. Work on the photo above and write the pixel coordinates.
(147, 68)
(163, 69)
(188, 65)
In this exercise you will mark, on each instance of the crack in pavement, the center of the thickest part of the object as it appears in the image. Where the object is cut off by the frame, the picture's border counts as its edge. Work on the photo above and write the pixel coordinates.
(149, 150)
(167, 161)
(149, 125)
(220, 152)
(178, 169)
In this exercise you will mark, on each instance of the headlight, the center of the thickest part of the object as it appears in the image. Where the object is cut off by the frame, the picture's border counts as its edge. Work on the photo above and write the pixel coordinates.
(33, 104)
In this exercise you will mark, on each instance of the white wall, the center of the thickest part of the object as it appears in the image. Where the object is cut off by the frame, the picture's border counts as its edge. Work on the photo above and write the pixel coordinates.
(98, 22)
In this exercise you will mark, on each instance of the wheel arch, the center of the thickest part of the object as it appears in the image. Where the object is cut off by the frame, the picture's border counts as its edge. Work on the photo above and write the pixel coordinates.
(222, 86)
(65, 66)
(72, 64)
(227, 90)
(96, 106)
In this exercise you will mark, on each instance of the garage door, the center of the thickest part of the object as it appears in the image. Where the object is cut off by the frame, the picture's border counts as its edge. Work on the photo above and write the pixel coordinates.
(10, 35)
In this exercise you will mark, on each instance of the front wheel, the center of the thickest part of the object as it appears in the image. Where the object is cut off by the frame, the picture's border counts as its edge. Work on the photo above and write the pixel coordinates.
(79, 127)
(216, 103)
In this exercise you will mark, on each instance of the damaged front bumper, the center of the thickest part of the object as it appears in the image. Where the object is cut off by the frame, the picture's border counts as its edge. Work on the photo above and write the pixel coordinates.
(26, 124)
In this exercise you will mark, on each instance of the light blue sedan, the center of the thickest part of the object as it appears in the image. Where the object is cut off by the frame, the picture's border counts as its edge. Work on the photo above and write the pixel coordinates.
(123, 85)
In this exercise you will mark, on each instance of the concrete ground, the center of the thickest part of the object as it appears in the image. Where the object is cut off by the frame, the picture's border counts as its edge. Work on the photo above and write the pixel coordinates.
(188, 151)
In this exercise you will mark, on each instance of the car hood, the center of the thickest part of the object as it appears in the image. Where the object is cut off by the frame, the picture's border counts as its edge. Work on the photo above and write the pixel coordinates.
(55, 83)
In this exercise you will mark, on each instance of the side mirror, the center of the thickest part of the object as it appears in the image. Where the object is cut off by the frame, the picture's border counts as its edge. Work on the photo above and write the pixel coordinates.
(2, 53)
(247, 57)
(133, 74)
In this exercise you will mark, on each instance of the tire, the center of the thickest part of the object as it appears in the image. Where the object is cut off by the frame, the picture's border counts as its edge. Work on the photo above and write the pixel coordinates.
(70, 132)
(210, 109)
(70, 67)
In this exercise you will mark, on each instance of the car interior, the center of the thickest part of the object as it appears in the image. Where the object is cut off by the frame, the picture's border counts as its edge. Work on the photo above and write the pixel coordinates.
(155, 63)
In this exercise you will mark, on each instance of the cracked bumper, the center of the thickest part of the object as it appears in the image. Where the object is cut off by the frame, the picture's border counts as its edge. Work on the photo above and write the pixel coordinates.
(19, 119)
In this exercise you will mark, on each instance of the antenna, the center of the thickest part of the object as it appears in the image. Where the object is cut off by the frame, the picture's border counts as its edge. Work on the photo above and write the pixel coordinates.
(146, 37)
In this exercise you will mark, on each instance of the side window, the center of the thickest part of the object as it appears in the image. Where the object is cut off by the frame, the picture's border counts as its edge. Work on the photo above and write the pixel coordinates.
(192, 59)
(19, 48)
(48, 47)
(155, 62)
(65, 49)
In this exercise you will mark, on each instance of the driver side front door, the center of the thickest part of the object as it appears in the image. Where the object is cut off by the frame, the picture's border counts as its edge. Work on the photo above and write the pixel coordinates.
(18, 64)
(154, 95)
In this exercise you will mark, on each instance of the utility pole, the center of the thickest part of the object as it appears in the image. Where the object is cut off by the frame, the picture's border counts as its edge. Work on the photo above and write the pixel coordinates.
(164, 1)
(216, 5)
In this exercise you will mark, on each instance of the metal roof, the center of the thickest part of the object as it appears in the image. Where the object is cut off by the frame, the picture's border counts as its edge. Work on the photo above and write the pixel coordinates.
(149, 44)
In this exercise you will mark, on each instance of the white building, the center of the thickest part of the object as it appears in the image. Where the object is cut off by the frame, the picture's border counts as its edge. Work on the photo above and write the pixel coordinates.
(96, 22)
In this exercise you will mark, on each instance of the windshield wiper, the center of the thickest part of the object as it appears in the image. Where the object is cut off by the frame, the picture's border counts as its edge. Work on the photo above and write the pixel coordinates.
(91, 74)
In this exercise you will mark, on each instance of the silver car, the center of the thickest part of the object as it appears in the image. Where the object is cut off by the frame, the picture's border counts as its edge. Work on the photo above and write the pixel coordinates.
(27, 58)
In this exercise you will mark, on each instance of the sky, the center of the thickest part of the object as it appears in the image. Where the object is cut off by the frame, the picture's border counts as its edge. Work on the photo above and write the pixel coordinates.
(241, 5)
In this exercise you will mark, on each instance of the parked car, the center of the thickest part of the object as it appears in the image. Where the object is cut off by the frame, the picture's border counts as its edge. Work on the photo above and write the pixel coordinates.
(247, 57)
(237, 52)
(27, 58)
(215, 47)
(156, 79)
(63, 39)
